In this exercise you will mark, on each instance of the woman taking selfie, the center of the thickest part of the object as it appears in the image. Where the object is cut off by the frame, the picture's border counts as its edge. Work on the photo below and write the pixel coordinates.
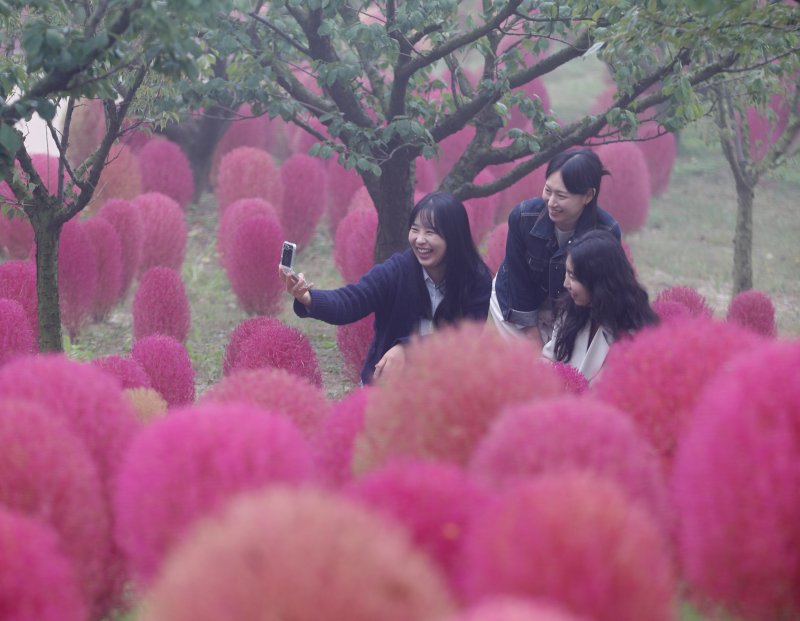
(441, 279)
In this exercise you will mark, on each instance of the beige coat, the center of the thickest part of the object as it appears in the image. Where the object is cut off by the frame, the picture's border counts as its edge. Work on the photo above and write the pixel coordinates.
(587, 357)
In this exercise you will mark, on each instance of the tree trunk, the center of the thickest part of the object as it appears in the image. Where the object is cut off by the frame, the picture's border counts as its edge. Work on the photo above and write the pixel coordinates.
(49, 314)
(394, 202)
(743, 239)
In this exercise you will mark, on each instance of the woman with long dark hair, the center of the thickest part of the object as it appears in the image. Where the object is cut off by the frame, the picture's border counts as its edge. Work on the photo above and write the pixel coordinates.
(441, 279)
(603, 302)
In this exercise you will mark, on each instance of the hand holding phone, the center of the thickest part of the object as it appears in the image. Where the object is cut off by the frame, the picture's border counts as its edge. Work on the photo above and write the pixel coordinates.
(287, 259)
(295, 284)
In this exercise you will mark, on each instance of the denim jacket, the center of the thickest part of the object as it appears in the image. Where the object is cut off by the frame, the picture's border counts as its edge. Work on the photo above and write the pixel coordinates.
(533, 268)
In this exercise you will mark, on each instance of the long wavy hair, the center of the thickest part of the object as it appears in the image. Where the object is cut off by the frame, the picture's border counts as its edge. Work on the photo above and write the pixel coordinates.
(617, 301)
(582, 170)
(446, 215)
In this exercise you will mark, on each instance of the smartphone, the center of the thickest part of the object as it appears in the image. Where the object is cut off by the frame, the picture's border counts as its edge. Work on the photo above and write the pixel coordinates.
(287, 254)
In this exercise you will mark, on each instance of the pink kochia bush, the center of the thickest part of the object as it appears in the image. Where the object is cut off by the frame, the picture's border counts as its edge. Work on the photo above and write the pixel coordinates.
(342, 185)
(129, 372)
(657, 377)
(453, 385)
(354, 243)
(77, 276)
(667, 310)
(18, 283)
(160, 305)
(302, 179)
(16, 336)
(625, 194)
(167, 364)
(300, 554)
(120, 178)
(755, 311)
(481, 211)
(234, 215)
(495, 250)
(127, 221)
(267, 342)
(505, 608)
(108, 254)
(164, 231)
(46, 473)
(16, 234)
(573, 381)
(692, 299)
(353, 341)
(574, 539)
(247, 172)
(275, 390)
(737, 487)
(37, 582)
(659, 155)
(165, 168)
(186, 465)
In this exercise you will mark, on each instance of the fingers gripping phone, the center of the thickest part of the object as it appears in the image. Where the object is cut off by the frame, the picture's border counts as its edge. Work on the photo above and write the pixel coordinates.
(287, 258)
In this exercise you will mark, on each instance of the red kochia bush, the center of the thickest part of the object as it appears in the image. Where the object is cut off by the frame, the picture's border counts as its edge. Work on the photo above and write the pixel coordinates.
(16, 234)
(238, 336)
(625, 194)
(127, 221)
(659, 155)
(77, 276)
(165, 168)
(251, 263)
(495, 250)
(234, 215)
(120, 178)
(667, 310)
(244, 130)
(108, 254)
(37, 582)
(353, 341)
(481, 211)
(690, 298)
(165, 236)
(46, 473)
(574, 539)
(246, 172)
(354, 243)
(342, 185)
(167, 364)
(275, 390)
(657, 377)
(755, 311)
(129, 372)
(737, 487)
(304, 555)
(16, 336)
(573, 381)
(160, 305)
(505, 608)
(186, 465)
(18, 283)
(302, 178)
(452, 386)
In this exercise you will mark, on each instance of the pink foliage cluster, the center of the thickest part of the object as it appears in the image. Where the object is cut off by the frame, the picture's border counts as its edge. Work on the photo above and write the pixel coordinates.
(506, 608)
(354, 243)
(77, 276)
(755, 311)
(160, 305)
(247, 172)
(481, 211)
(737, 487)
(16, 336)
(108, 258)
(303, 555)
(530, 186)
(16, 233)
(342, 185)
(302, 179)
(165, 168)
(186, 465)
(167, 364)
(86, 130)
(667, 310)
(766, 127)
(574, 381)
(353, 341)
(164, 231)
(659, 155)
(129, 225)
(129, 372)
(120, 178)
(625, 194)
(234, 215)
(18, 283)
(246, 130)
(495, 246)
(692, 299)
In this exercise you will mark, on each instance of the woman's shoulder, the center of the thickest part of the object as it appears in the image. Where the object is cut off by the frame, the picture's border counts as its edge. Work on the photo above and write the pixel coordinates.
(530, 206)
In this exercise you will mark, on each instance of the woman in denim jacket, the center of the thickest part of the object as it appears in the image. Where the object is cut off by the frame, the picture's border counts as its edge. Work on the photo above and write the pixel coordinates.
(531, 275)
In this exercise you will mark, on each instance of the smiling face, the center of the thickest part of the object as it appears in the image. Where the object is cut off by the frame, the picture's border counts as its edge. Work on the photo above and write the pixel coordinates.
(563, 207)
(428, 246)
(580, 294)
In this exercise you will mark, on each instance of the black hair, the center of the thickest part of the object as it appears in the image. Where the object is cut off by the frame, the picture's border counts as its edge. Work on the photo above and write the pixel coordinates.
(446, 215)
(581, 170)
(618, 302)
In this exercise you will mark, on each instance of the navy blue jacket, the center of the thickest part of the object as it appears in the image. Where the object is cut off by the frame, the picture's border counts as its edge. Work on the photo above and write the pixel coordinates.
(394, 290)
(533, 269)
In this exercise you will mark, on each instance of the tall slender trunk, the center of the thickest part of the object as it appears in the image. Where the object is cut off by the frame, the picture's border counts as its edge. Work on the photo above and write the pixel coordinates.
(47, 235)
(743, 239)
(395, 189)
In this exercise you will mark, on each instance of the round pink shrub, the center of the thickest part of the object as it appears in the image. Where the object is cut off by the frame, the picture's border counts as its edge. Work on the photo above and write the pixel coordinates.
(37, 582)
(574, 539)
(667, 310)
(302, 177)
(275, 390)
(505, 608)
(47, 474)
(434, 501)
(767, 127)
(573, 381)
(164, 231)
(129, 372)
(332, 445)
(234, 215)
(167, 364)
(120, 178)
(354, 243)
(298, 554)
(657, 377)
(18, 283)
(251, 263)
(495, 248)
(426, 176)
(690, 298)
(108, 257)
(244, 130)
(186, 465)
(659, 155)
(625, 194)
(342, 185)
(246, 172)
(481, 211)
(353, 341)
(77, 276)
(755, 311)
(165, 168)
(127, 221)
(452, 148)
(572, 433)
(461, 379)
(737, 487)
(530, 186)
(86, 130)
(243, 331)
(16, 234)
(160, 305)
(16, 336)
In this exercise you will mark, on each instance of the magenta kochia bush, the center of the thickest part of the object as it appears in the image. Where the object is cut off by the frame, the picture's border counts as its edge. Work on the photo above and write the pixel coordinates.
(160, 305)
(247, 172)
(16, 336)
(657, 377)
(108, 254)
(495, 249)
(452, 386)
(690, 298)
(47, 473)
(626, 192)
(18, 283)
(575, 539)
(234, 214)
(77, 276)
(167, 364)
(127, 221)
(737, 487)
(667, 310)
(354, 243)
(353, 341)
(572, 433)
(573, 381)
(186, 465)
(342, 185)
(245, 130)
(755, 311)
(165, 168)
(302, 178)
(120, 178)
(506, 608)
(481, 211)
(275, 390)
(129, 372)
(16, 234)
(164, 231)
(659, 155)
(299, 554)
(37, 582)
